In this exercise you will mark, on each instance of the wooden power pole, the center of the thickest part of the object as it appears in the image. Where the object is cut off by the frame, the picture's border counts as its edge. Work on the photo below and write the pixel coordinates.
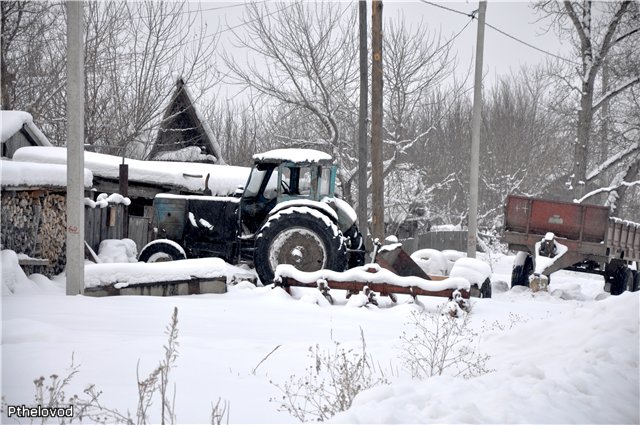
(377, 171)
(472, 238)
(75, 148)
(363, 142)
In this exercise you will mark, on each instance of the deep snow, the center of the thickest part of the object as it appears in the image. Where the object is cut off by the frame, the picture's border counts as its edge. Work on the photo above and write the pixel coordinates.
(567, 356)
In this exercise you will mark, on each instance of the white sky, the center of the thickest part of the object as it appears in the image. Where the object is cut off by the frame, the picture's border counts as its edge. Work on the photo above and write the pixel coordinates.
(502, 54)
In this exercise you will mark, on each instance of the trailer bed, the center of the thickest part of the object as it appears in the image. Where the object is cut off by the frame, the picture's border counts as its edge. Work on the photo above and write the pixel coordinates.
(587, 230)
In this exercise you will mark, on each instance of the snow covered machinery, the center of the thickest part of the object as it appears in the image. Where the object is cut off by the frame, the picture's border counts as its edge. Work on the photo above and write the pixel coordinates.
(287, 213)
(553, 235)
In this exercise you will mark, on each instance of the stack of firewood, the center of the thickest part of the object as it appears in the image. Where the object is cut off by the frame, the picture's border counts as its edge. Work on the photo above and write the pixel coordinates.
(51, 240)
(33, 223)
(18, 221)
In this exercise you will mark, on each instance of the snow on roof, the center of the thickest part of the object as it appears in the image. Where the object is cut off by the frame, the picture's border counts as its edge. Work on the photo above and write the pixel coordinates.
(293, 155)
(12, 121)
(224, 179)
(15, 173)
(188, 154)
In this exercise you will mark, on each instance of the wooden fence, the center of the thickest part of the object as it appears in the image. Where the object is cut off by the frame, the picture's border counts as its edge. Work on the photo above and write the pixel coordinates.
(453, 239)
(109, 223)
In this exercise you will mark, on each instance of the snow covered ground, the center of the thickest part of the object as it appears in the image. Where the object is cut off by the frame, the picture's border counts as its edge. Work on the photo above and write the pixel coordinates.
(567, 356)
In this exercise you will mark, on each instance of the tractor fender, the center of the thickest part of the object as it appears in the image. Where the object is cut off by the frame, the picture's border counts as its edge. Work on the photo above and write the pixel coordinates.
(322, 207)
(347, 216)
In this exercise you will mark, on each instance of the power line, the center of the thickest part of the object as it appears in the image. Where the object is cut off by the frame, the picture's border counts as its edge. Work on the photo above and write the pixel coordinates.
(530, 45)
(196, 10)
(472, 16)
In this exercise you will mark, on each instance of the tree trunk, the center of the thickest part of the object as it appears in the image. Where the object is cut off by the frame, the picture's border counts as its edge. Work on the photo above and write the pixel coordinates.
(581, 148)
(377, 167)
(621, 203)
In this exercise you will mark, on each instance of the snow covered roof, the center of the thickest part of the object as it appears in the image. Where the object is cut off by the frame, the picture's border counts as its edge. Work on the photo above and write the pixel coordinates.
(224, 179)
(13, 121)
(29, 174)
(293, 155)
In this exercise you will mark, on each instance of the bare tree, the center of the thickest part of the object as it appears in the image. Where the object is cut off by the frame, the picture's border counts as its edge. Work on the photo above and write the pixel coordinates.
(133, 54)
(161, 42)
(597, 30)
(305, 62)
(32, 72)
(417, 62)
(522, 146)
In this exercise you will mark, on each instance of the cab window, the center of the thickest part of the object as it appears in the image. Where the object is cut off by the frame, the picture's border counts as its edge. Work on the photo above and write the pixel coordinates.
(324, 181)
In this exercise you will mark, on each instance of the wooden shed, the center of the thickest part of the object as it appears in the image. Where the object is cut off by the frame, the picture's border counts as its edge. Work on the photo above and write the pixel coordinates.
(184, 135)
(18, 130)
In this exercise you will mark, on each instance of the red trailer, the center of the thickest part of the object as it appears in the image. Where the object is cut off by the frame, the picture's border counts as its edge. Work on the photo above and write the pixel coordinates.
(554, 235)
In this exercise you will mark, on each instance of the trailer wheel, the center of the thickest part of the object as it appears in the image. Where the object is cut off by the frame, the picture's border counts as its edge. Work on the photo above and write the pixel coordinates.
(300, 237)
(161, 250)
(622, 279)
(635, 282)
(522, 269)
(483, 292)
(485, 289)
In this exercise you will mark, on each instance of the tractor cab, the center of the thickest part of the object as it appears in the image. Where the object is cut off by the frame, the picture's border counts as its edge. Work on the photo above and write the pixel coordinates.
(285, 175)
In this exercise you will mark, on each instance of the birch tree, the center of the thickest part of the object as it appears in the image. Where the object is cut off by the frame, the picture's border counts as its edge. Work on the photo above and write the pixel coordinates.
(598, 31)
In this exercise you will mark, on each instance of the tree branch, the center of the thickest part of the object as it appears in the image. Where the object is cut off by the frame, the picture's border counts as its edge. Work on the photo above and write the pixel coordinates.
(615, 91)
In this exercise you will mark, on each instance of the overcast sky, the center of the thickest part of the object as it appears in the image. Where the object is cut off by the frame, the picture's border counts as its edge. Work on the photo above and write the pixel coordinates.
(502, 53)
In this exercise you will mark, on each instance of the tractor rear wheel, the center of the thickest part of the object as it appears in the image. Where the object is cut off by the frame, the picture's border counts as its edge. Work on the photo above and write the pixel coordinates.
(161, 250)
(302, 237)
(522, 269)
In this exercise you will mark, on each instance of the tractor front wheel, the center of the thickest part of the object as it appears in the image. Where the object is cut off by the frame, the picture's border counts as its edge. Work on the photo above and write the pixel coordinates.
(161, 250)
(302, 237)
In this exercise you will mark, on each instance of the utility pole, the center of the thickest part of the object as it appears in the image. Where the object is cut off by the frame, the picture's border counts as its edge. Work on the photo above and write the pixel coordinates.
(472, 238)
(377, 171)
(75, 148)
(363, 115)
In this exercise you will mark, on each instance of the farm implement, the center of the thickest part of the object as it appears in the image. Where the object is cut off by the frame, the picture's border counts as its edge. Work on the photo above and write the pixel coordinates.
(393, 272)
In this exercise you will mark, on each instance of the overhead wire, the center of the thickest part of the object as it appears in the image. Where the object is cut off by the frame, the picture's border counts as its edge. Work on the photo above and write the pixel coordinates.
(472, 15)
(184, 12)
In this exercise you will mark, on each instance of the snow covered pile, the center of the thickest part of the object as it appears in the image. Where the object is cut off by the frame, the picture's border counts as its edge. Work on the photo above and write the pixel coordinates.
(432, 261)
(125, 274)
(579, 368)
(118, 251)
(103, 200)
(14, 281)
(472, 269)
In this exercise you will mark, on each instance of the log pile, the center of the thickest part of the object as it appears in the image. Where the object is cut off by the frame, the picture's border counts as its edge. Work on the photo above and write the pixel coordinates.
(33, 223)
